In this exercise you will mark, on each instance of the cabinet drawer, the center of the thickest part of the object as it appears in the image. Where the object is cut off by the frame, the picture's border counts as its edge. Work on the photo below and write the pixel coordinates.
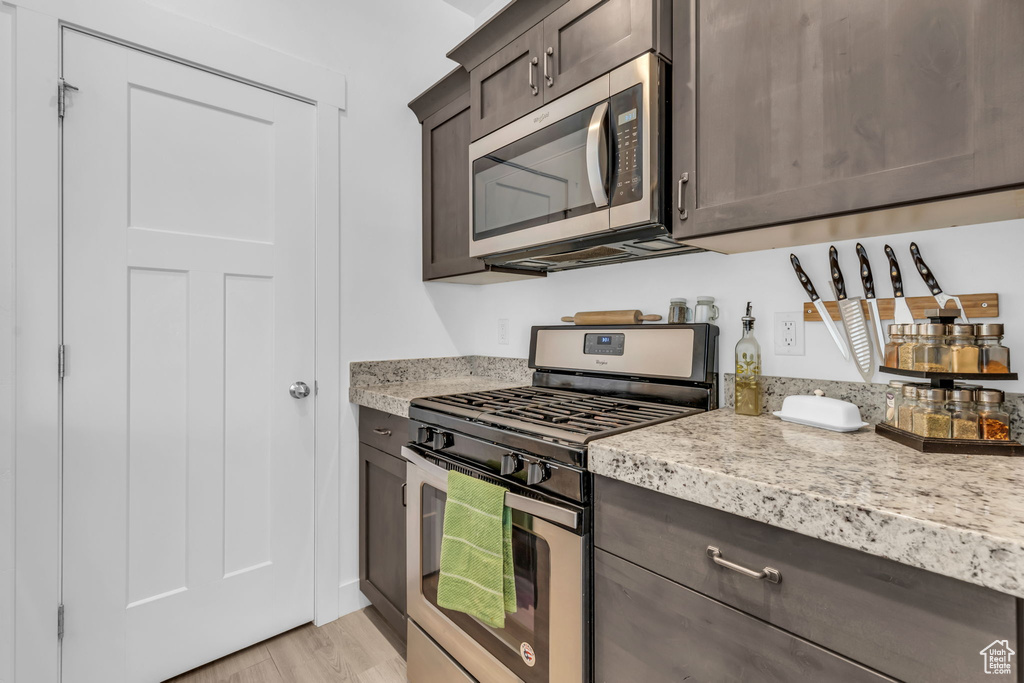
(649, 629)
(383, 431)
(906, 622)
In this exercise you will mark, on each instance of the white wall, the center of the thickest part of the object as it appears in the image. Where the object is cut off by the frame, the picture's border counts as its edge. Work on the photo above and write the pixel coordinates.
(6, 348)
(971, 259)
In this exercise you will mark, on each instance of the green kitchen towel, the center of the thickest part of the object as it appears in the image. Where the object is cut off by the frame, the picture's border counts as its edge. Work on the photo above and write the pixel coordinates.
(477, 574)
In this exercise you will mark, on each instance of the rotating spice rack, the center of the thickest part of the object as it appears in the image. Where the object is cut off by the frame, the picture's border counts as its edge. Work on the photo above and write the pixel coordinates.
(947, 380)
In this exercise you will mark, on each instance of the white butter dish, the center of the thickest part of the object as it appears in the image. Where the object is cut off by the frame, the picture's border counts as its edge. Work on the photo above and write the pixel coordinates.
(821, 412)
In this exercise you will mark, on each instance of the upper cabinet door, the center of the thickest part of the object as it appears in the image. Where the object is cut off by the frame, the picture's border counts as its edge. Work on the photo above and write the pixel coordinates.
(816, 108)
(584, 39)
(507, 85)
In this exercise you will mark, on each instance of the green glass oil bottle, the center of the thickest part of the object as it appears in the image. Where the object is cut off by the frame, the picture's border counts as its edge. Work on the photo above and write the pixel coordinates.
(748, 369)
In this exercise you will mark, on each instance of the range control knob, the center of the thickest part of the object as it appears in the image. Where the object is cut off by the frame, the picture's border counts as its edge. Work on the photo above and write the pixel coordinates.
(424, 435)
(536, 473)
(510, 464)
(442, 440)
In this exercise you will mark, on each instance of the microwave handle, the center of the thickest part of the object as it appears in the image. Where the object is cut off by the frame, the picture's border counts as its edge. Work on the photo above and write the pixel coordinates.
(438, 478)
(595, 143)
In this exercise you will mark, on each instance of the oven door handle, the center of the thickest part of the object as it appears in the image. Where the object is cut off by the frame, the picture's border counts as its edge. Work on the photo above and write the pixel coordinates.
(595, 144)
(438, 478)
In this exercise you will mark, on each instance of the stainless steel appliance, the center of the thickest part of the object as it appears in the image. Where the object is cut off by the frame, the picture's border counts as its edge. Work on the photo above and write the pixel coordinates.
(580, 181)
(589, 382)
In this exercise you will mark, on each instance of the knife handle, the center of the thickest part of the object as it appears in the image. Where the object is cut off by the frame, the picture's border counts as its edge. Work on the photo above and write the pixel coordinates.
(837, 275)
(894, 272)
(865, 272)
(926, 273)
(802, 276)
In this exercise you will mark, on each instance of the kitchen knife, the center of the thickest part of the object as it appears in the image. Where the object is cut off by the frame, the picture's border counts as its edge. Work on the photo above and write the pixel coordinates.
(869, 295)
(900, 307)
(857, 333)
(933, 286)
(826, 317)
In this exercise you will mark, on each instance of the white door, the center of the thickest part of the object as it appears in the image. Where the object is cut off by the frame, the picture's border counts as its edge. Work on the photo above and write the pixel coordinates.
(188, 313)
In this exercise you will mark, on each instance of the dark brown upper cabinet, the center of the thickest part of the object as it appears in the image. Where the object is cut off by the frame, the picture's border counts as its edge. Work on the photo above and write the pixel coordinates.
(586, 38)
(576, 43)
(509, 84)
(813, 110)
(444, 112)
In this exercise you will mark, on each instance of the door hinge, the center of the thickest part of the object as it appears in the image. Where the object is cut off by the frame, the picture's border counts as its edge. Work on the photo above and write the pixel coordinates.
(60, 621)
(62, 96)
(61, 363)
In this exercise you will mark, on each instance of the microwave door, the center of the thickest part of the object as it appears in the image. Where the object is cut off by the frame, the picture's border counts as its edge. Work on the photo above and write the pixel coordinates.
(546, 186)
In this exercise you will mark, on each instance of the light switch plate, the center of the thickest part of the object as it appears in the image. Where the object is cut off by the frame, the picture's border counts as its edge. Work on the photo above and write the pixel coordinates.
(789, 334)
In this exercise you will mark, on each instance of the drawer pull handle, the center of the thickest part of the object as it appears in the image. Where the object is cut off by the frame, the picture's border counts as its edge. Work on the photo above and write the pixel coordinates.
(382, 431)
(768, 573)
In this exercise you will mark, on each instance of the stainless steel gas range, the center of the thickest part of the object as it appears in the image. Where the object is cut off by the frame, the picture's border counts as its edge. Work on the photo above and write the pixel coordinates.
(589, 382)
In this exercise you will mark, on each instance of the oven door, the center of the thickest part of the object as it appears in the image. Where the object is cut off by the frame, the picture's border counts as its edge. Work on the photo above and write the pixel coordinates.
(543, 641)
(578, 166)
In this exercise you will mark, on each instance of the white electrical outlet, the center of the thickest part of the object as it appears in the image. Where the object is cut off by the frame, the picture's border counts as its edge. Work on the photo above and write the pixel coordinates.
(789, 334)
(503, 331)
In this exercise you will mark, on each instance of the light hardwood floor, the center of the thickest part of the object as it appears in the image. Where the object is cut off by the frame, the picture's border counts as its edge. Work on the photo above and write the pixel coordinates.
(358, 648)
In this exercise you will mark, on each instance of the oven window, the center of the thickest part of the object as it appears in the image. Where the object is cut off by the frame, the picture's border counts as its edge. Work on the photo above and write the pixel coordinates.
(529, 624)
(539, 179)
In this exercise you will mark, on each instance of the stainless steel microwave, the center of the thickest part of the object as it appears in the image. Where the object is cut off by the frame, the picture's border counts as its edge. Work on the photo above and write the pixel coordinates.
(580, 181)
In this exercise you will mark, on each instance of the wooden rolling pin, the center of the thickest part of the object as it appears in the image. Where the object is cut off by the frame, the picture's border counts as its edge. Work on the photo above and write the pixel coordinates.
(633, 317)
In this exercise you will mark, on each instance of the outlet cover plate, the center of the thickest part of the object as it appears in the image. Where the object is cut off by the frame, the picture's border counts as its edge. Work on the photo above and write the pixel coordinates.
(503, 331)
(789, 334)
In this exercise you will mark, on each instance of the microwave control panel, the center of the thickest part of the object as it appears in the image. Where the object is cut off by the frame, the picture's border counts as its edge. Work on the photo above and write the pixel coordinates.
(627, 138)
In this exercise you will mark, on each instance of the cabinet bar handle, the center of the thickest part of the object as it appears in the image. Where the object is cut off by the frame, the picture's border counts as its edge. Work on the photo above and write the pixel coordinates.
(547, 58)
(768, 573)
(532, 66)
(382, 431)
(404, 501)
(680, 203)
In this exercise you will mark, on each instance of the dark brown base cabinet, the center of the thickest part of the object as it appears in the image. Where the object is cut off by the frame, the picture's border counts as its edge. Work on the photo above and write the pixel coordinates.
(796, 111)
(382, 514)
(665, 611)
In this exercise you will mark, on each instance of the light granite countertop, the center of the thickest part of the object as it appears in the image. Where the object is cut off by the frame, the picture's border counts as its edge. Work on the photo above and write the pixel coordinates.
(395, 397)
(961, 516)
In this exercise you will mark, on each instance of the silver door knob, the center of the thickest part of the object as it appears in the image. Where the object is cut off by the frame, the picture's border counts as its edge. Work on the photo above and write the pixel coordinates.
(299, 390)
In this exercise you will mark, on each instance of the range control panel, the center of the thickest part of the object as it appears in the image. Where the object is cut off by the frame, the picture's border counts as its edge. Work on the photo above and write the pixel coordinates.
(610, 344)
(627, 137)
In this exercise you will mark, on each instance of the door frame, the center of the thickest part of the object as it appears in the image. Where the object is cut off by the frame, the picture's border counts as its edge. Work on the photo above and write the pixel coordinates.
(37, 300)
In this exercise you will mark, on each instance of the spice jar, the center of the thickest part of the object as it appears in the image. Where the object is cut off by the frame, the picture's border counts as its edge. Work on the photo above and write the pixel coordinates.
(905, 410)
(992, 355)
(892, 349)
(677, 311)
(931, 419)
(963, 413)
(993, 418)
(963, 349)
(906, 350)
(932, 352)
(893, 400)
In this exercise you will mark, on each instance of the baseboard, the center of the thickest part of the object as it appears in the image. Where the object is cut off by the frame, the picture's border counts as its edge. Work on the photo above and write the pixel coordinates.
(350, 598)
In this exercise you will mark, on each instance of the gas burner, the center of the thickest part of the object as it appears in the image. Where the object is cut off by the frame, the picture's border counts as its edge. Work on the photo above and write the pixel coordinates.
(570, 416)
